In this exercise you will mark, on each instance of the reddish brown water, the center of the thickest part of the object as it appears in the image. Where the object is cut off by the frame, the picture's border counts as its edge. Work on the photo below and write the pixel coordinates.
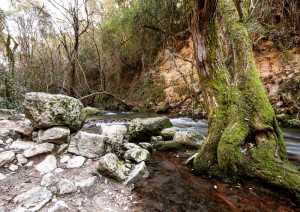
(172, 187)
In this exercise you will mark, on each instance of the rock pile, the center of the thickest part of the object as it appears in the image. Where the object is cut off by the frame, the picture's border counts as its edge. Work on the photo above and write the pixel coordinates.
(56, 158)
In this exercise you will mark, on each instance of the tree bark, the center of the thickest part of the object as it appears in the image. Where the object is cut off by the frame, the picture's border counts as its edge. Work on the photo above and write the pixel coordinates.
(244, 138)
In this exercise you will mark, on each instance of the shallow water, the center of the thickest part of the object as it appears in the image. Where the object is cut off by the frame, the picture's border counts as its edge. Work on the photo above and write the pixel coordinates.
(172, 186)
(291, 135)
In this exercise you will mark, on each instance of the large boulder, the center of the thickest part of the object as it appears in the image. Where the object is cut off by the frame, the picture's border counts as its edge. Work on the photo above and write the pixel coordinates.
(142, 129)
(88, 144)
(50, 110)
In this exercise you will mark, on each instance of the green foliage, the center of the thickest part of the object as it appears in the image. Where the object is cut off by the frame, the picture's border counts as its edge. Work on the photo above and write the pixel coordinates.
(148, 91)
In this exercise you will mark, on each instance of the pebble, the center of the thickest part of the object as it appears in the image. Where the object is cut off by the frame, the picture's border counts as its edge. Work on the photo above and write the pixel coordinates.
(2, 176)
(58, 206)
(65, 159)
(29, 164)
(21, 159)
(9, 141)
(58, 170)
(13, 167)
(33, 199)
(6, 157)
(62, 148)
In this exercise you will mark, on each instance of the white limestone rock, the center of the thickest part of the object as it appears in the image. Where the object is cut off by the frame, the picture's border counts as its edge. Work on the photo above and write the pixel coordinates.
(76, 162)
(87, 144)
(38, 149)
(21, 159)
(64, 159)
(23, 145)
(33, 199)
(58, 206)
(87, 183)
(116, 132)
(189, 136)
(13, 167)
(138, 155)
(49, 180)
(6, 157)
(47, 165)
(66, 187)
(56, 135)
(2, 176)
(110, 165)
(136, 174)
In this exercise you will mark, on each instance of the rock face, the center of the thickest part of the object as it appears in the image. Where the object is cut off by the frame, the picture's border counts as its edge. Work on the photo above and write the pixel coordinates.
(48, 110)
(110, 165)
(87, 144)
(57, 135)
(141, 130)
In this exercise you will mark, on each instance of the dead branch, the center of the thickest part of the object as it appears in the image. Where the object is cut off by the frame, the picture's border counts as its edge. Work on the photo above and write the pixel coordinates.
(108, 94)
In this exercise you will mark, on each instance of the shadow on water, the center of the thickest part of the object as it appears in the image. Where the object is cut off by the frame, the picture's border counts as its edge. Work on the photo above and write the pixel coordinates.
(172, 187)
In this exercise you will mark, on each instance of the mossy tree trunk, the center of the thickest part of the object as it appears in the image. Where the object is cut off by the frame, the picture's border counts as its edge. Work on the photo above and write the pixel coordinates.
(244, 138)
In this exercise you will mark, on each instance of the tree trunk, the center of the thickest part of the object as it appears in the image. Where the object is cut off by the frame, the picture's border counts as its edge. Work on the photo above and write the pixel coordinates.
(244, 138)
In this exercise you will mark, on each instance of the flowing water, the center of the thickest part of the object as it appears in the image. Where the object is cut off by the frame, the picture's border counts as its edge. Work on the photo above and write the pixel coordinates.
(171, 186)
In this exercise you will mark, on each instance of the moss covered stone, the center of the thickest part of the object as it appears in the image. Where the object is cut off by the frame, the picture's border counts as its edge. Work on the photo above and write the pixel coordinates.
(49, 110)
(141, 130)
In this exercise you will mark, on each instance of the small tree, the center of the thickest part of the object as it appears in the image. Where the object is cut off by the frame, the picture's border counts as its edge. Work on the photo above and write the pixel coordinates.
(10, 45)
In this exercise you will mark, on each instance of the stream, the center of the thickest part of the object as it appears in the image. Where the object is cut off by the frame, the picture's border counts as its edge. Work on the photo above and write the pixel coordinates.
(172, 186)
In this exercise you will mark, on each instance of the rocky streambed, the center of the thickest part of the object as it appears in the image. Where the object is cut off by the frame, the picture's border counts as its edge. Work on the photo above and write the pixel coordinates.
(49, 163)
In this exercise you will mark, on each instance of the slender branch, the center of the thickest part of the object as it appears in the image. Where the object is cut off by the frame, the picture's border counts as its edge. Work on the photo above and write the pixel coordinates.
(108, 94)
